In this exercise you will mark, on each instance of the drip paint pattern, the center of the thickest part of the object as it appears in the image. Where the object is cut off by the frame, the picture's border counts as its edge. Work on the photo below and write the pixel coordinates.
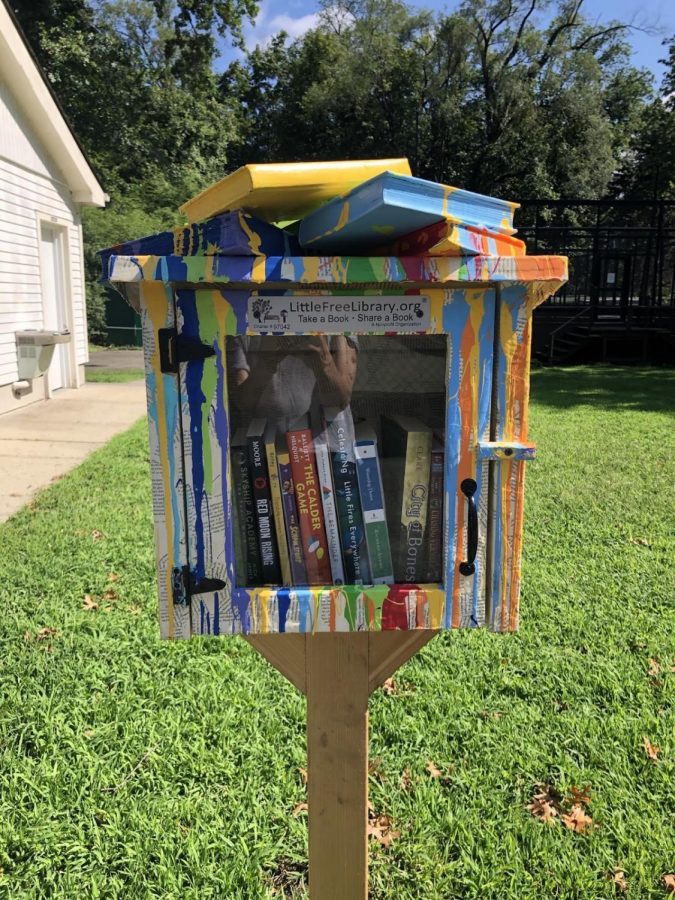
(207, 300)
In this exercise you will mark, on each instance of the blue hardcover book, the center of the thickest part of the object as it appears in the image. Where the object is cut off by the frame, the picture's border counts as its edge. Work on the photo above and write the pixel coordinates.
(229, 234)
(371, 493)
(340, 437)
(390, 206)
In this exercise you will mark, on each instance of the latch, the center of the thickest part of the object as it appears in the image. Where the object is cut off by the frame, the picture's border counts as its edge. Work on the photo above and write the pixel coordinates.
(506, 450)
(175, 349)
(184, 584)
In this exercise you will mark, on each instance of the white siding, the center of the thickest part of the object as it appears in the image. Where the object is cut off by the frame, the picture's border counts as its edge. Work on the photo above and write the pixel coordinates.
(31, 189)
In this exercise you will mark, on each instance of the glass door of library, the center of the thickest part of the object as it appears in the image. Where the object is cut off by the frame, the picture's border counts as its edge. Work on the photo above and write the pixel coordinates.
(333, 480)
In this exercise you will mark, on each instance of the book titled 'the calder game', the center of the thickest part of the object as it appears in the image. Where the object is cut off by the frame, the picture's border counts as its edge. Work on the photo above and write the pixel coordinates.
(310, 508)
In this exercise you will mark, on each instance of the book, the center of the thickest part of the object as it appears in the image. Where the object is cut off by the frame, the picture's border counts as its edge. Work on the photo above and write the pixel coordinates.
(390, 206)
(293, 537)
(247, 549)
(277, 504)
(450, 238)
(308, 499)
(286, 191)
(339, 427)
(371, 493)
(406, 448)
(230, 234)
(324, 471)
(434, 571)
(262, 497)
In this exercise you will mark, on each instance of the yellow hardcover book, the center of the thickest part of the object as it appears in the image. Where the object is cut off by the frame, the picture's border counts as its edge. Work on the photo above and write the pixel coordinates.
(279, 192)
(406, 448)
(277, 504)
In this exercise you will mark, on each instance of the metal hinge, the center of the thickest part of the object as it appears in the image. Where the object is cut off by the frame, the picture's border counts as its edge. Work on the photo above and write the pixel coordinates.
(184, 585)
(175, 349)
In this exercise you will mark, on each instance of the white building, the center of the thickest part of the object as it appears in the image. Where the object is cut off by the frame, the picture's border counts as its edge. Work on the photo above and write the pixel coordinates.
(45, 179)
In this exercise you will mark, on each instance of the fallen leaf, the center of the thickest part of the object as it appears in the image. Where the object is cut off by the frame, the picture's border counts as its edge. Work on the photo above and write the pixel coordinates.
(619, 879)
(380, 827)
(580, 796)
(405, 783)
(389, 687)
(542, 809)
(577, 820)
(89, 603)
(299, 809)
(113, 576)
(433, 770)
(546, 803)
(669, 882)
(643, 542)
(303, 774)
(45, 633)
(97, 535)
(654, 667)
(88, 733)
(110, 595)
(651, 750)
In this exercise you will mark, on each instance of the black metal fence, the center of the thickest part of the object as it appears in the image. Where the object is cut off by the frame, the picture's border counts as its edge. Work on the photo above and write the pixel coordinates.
(621, 252)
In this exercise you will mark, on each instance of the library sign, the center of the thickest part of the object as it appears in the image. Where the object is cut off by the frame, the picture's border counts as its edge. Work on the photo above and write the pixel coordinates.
(338, 314)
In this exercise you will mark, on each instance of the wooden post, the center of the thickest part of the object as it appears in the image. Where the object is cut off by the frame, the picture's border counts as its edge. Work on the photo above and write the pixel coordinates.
(337, 672)
(337, 751)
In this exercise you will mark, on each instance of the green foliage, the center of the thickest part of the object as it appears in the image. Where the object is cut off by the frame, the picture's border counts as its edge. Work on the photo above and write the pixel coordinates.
(492, 97)
(136, 769)
(649, 166)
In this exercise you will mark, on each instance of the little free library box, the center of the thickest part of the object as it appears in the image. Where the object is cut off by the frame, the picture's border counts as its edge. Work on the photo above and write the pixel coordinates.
(337, 408)
(337, 366)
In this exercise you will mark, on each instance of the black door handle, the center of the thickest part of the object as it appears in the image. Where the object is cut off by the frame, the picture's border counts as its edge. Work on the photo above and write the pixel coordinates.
(468, 488)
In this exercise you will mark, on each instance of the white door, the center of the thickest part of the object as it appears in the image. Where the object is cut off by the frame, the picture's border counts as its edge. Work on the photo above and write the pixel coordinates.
(54, 302)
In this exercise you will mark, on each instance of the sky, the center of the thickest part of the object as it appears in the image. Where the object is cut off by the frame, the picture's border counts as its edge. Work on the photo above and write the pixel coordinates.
(657, 17)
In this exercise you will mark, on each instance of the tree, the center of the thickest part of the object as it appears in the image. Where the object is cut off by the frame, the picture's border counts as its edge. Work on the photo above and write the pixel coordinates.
(137, 83)
(648, 169)
(501, 96)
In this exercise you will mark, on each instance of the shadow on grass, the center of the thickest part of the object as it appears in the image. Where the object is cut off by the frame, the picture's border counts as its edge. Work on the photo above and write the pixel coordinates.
(607, 387)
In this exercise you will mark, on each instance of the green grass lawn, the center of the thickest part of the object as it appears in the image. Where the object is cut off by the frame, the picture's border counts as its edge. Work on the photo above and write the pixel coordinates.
(132, 768)
(109, 376)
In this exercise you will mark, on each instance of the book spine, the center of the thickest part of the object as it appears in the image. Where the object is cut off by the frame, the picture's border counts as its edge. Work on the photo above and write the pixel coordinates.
(278, 513)
(372, 502)
(250, 573)
(413, 508)
(435, 519)
(310, 510)
(323, 468)
(269, 554)
(298, 570)
(350, 517)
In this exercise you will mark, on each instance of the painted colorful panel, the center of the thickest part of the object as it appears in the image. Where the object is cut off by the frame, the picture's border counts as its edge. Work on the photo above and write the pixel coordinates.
(420, 399)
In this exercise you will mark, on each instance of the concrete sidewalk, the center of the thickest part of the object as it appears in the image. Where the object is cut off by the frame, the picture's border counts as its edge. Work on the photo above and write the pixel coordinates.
(41, 442)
